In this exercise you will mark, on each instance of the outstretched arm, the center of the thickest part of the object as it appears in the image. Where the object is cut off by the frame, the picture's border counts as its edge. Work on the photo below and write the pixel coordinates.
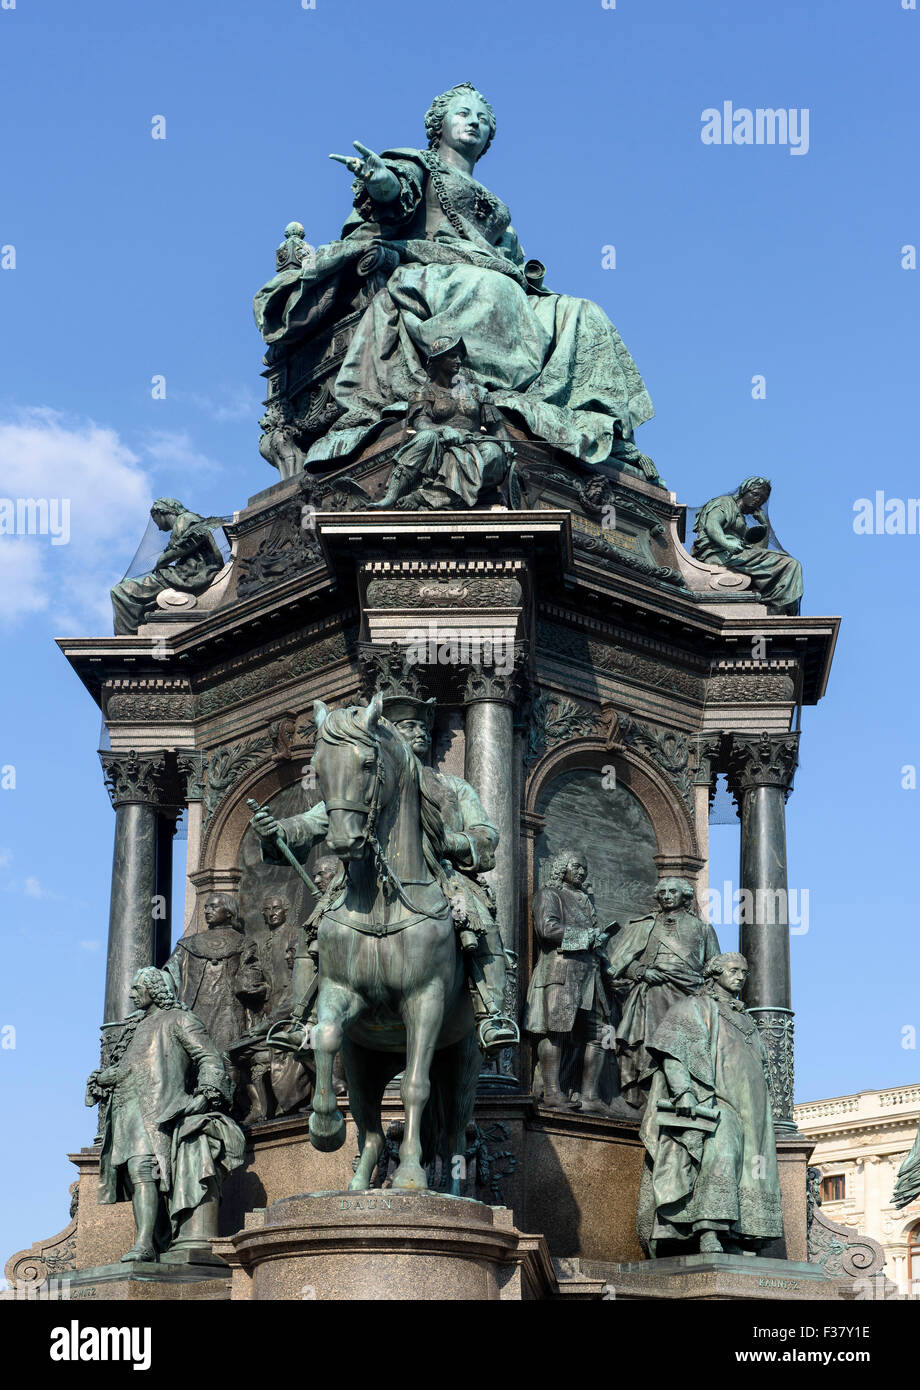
(380, 182)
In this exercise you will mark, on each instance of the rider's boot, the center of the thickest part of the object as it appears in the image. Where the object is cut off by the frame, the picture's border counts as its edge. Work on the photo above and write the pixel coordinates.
(550, 1054)
(486, 968)
(591, 1103)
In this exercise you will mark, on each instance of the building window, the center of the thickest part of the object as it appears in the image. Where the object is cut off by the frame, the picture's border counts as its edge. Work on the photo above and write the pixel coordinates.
(913, 1256)
(833, 1189)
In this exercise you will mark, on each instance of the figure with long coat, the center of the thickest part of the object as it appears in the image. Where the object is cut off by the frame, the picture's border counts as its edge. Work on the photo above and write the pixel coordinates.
(907, 1184)
(167, 1144)
(204, 968)
(567, 999)
(711, 1179)
(655, 961)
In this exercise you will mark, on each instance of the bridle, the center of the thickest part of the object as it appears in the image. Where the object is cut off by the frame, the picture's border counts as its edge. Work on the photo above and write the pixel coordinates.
(385, 873)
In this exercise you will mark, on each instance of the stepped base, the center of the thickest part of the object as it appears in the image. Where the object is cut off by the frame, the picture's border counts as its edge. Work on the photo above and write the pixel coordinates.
(394, 1246)
(718, 1277)
(145, 1281)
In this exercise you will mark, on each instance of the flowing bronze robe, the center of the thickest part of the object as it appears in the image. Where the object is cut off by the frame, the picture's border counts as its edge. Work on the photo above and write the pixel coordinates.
(776, 576)
(554, 361)
(727, 1180)
(678, 944)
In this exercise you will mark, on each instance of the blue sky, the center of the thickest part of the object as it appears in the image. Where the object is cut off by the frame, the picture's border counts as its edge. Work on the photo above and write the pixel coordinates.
(136, 257)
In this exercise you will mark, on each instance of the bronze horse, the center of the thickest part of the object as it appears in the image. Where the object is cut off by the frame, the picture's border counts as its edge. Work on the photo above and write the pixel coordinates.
(393, 995)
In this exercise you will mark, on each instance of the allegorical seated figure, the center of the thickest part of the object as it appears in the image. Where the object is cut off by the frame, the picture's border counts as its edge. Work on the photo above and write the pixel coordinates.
(458, 448)
(204, 969)
(724, 538)
(655, 961)
(567, 1000)
(189, 563)
(470, 838)
(711, 1181)
(167, 1142)
(554, 363)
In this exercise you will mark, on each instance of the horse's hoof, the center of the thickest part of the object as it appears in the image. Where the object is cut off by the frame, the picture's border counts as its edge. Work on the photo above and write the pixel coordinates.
(358, 1184)
(327, 1132)
(411, 1177)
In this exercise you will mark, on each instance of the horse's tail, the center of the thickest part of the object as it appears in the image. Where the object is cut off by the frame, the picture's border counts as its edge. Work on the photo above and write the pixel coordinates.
(454, 1076)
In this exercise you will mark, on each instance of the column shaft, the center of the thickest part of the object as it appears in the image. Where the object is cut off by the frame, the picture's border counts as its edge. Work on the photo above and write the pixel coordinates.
(765, 926)
(489, 767)
(132, 927)
(760, 773)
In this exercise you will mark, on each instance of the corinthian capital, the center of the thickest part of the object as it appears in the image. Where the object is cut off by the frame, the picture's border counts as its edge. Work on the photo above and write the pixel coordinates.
(148, 778)
(761, 760)
(492, 683)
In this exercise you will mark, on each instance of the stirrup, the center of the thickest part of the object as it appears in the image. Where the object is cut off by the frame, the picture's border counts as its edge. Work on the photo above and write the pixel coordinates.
(286, 1025)
(504, 1030)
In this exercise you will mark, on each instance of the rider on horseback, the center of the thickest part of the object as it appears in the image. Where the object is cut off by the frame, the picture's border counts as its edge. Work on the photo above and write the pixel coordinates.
(470, 838)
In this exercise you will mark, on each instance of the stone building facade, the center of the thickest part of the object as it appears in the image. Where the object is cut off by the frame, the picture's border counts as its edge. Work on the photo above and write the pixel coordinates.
(861, 1141)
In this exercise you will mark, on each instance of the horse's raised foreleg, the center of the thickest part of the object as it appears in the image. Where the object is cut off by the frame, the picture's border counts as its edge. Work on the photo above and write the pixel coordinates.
(336, 1008)
(422, 1015)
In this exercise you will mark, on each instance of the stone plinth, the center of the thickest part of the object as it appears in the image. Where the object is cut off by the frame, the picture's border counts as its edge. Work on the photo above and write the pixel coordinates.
(572, 1177)
(386, 1245)
(146, 1281)
(580, 1179)
(718, 1278)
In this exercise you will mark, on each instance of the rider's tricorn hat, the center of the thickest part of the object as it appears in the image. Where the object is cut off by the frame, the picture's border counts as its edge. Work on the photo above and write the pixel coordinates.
(399, 707)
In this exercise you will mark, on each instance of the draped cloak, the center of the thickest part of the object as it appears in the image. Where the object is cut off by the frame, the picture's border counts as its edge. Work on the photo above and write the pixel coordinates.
(555, 362)
(727, 1180)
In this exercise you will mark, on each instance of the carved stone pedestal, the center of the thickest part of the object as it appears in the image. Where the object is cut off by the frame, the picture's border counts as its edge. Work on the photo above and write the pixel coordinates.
(146, 1281)
(386, 1245)
(719, 1278)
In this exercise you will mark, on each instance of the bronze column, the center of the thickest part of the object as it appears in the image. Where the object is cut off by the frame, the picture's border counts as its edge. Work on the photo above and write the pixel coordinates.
(489, 766)
(140, 786)
(760, 769)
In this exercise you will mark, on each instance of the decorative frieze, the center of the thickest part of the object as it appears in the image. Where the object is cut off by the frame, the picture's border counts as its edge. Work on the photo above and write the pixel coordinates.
(579, 648)
(316, 656)
(751, 688)
(148, 701)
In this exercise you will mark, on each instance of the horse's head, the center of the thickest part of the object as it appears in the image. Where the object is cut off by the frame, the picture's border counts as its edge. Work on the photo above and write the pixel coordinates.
(350, 765)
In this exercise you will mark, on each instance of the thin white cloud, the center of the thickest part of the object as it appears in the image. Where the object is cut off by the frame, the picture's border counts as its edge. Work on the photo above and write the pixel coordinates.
(175, 449)
(44, 454)
(231, 407)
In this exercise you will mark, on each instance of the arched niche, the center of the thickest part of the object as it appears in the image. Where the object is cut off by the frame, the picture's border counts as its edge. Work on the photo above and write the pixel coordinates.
(621, 810)
(230, 845)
